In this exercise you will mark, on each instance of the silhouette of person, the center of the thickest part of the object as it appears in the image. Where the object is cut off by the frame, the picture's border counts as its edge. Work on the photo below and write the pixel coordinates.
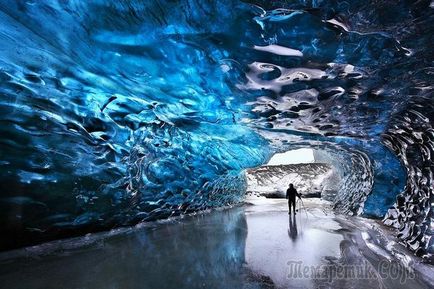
(291, 193)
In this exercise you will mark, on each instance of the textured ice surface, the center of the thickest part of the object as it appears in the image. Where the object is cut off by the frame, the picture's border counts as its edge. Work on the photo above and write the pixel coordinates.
(274, 180)
(115, 112)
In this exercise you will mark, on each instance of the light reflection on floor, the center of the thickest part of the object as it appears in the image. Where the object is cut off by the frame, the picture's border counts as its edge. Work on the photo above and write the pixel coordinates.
(244, 247)
(275, 239)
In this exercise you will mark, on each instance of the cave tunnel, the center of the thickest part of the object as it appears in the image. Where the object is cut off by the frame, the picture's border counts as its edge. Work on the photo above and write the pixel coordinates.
(128, 127)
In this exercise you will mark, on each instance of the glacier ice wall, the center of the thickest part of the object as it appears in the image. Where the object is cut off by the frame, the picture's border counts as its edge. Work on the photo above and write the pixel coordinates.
(273, 180)
(116, 112)
(412, 139)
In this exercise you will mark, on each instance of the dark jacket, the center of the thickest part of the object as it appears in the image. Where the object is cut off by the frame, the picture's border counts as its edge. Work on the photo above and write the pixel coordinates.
(291, 193)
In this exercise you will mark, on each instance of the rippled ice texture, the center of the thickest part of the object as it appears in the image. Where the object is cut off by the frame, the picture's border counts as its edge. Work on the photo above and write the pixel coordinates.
(115, 112)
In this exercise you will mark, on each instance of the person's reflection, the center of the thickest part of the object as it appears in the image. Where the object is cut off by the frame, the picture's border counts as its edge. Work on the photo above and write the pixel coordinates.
(292, 230)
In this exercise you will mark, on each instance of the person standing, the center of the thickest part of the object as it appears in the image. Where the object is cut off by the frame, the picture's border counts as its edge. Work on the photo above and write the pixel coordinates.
(291, 193)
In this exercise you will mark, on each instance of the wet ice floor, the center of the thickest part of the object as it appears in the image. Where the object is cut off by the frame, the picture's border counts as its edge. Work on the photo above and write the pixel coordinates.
(276, 240)
(254, 246)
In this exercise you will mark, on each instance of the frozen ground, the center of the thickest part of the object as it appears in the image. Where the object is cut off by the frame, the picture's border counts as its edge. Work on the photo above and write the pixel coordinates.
(253, 246)
(328, 245)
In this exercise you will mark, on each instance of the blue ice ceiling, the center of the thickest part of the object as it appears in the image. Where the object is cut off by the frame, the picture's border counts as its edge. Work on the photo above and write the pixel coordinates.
(116, 112)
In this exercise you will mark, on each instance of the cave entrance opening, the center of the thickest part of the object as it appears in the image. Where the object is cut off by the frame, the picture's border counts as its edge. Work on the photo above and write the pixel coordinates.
(306, 168)
(298, 156)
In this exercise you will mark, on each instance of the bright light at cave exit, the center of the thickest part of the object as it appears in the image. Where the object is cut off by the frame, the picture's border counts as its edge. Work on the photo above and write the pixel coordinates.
(292, 157)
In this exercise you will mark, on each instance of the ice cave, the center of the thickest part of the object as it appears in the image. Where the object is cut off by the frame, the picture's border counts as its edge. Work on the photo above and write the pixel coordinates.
(150, 144)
